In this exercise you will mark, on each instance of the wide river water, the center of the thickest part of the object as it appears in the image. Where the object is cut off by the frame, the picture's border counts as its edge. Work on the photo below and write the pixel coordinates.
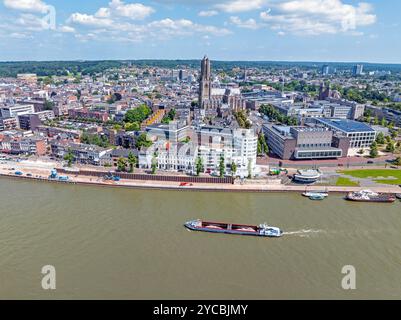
(110, 243)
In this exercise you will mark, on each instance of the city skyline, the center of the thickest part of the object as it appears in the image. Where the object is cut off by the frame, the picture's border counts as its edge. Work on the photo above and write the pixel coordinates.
(253, 30)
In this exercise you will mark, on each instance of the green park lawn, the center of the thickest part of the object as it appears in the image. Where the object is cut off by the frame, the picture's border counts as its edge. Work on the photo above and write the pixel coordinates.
(346, 182)
(384, 176)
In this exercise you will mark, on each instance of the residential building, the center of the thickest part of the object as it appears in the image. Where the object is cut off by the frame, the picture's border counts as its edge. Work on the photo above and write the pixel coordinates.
(175, 157)
(85, 113)
(83, 153)
(8, 123)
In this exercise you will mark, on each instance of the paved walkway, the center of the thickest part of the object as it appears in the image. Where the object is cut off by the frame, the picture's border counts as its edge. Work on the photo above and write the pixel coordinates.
(40, 172)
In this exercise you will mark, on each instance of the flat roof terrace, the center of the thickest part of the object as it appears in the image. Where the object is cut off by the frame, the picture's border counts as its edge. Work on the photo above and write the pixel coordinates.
(349, 126)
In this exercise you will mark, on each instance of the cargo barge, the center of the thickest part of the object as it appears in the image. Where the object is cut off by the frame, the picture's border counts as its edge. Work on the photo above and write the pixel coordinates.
(370, 196)
(263, 230)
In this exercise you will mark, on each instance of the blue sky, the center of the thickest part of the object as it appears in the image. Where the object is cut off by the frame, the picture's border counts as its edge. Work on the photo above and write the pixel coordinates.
(293, 30)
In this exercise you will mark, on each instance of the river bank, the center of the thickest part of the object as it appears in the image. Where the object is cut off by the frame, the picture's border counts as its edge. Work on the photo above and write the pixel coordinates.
(41, 171)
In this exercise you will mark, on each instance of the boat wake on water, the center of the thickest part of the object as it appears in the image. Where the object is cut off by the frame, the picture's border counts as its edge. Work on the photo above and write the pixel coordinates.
(303, 232)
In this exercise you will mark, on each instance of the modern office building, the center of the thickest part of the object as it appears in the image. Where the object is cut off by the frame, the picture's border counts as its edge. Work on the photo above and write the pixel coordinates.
(357, 70)
(33, 120)
(304, 142)
(174, 132)
(360, 134)
(16, 110)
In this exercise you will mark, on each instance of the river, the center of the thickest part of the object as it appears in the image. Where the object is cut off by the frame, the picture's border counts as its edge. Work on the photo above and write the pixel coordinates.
(110, 243)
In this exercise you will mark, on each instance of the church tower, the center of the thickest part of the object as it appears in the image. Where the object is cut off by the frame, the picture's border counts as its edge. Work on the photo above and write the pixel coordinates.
(205, 83)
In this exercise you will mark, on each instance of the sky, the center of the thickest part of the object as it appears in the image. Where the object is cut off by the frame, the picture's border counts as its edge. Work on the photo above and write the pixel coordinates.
(263, 30)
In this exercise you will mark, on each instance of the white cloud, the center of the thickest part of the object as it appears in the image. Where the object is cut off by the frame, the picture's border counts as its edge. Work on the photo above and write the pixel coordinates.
(18, 35)
(208, 13)
(136, 11)
(115, 23)
(66, 29)
(234, 6)
(315, 17)
(89, 20)
(27, 5)
(183, 27)
(103, 13)
(30, 22)
(117, 8)
(247, 24)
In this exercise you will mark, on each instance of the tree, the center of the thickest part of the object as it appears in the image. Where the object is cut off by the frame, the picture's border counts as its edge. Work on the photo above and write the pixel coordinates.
(132, 161)
(390, 147)
(138, 114)
(373, 150)
(199, 166)
(249, 169)
(242, 119)
(222, 166)
(69, 157)
(380, 138)
(48, 105)
(121, 164)
(169, 116)
(233, 169)
(397, 161)
(134, 126)
(262, 145)
(154, 163)
(142, 141)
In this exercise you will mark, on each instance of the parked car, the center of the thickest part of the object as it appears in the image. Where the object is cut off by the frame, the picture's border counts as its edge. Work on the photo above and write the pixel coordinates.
(371, 162)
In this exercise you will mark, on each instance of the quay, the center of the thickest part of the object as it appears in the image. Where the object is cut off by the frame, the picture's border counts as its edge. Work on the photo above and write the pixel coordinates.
(41, 173)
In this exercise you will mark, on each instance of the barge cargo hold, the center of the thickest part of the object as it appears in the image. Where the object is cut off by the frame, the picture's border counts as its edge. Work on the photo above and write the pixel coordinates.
(370, 196)
(263, 230)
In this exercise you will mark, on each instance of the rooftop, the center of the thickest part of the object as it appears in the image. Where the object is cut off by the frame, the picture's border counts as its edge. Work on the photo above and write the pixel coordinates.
(347, 125)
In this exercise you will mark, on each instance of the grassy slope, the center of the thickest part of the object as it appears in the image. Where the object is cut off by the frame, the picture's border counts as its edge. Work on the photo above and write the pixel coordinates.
(375, 174)
(346, 182)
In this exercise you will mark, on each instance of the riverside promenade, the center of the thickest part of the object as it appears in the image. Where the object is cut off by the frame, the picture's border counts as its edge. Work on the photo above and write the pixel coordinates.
(40, 171)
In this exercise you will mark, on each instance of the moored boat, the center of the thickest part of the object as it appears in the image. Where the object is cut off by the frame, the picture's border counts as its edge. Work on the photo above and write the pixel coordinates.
(317, 193)
(370, 196)
(263, 230)
(317, 197)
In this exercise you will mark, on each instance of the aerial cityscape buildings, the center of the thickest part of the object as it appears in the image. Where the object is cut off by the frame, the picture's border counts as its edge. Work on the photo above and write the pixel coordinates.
(193, 120)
